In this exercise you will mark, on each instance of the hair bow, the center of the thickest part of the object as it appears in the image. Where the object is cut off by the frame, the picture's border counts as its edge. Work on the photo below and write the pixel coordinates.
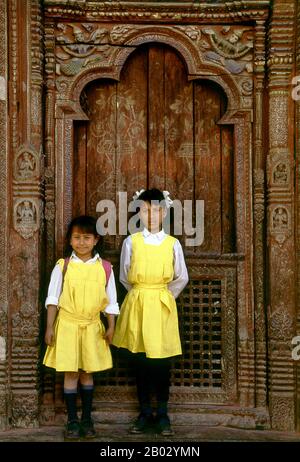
(137, 194)
(168, 200)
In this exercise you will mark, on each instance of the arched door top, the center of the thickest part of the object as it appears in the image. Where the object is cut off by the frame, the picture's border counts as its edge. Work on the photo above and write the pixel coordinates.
(195, 66)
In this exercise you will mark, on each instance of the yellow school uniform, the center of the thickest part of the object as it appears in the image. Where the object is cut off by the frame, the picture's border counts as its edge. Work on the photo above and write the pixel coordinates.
(148, 320)
(79, 342)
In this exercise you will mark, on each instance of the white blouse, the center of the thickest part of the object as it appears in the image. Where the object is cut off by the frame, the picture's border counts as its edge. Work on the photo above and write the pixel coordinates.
(180, 271)
(55, 286)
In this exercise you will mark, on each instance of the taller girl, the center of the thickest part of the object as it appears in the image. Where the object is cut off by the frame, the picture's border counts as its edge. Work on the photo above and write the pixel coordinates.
(153, 271)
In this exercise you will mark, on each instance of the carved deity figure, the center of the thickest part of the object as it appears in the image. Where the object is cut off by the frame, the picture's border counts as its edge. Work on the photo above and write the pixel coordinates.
(25, 213)
(26, 164)
(82, 41)
(280, 219)
(280, 174)
(228, 50)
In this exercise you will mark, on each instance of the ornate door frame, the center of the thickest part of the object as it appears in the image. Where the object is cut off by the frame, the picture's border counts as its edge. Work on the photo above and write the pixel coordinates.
(111, 43)
(269, 319)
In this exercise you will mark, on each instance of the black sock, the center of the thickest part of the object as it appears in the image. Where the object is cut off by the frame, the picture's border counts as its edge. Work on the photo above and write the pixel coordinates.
(70, 400)
(146, 409)
(162, 408)
(87, 401)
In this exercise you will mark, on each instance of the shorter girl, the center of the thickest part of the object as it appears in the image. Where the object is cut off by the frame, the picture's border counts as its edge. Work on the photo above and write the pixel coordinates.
(153, 271)
(81, 286)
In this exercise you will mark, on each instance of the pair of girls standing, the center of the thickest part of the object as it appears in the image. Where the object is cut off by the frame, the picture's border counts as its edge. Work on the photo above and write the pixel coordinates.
(82, 285)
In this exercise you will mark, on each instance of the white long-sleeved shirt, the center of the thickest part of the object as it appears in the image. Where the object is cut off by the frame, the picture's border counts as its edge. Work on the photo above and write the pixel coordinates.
(55, 286)
(180, 271)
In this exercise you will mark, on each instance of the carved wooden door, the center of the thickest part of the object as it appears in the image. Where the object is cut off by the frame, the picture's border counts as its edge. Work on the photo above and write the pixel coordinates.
(155, 128)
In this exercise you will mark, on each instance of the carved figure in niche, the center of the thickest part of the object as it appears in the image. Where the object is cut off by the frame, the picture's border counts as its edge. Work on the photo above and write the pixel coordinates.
(26, 214)
(82, 48)
(228, 50)
(26, 164)
(280, 173)
(280, 219)
(79, 47)
(82, 44)
(94, 36)
(26, 217)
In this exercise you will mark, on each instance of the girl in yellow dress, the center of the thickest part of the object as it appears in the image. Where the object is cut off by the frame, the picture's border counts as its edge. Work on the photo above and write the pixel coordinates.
(153, 271)
(81, 286)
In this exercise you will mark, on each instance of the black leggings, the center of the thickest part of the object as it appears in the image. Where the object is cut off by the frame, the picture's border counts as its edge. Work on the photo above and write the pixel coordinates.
(151, 375)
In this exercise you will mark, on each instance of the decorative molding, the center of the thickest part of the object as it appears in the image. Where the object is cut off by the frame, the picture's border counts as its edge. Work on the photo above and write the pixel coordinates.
(25, 322)
(281, 324)
(164, 12)
(260, 318)
(26, 135)
(282, 412)
(259, 205)
(4, 180)
(25, 409)
(297, 209)
(281, 258)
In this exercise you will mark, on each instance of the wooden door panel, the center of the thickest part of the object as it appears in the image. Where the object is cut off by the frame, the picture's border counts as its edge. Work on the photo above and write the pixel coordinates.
(131, 128)
(156, 123)
(179, 151)
(208, 163)
(227, 185)
(154, 128)
(132, 124)
(79, 170)
(101, 147)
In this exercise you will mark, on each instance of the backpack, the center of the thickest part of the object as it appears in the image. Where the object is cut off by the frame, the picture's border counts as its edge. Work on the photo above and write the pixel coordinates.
(106, 265)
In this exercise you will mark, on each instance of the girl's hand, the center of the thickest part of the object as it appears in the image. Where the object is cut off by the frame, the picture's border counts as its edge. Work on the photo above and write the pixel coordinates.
(108, 336)
(49, 336)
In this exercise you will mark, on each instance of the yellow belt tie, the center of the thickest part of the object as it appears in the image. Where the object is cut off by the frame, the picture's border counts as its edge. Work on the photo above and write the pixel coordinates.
(150, 286)
(164, 297)
(80, 319)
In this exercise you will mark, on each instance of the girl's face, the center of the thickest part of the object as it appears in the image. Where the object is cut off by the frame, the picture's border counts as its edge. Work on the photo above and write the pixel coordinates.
(152, 216)
(83, 243)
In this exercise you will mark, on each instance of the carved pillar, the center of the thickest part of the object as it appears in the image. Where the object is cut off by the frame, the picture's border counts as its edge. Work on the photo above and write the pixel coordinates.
(48, 377)
(3, 216)
(281, 239)
(26, 209)
(297, 128)
(246, 356)
(259, 215)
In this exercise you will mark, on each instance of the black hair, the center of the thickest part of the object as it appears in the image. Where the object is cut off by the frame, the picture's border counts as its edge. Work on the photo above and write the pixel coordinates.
(152, 195)
(86, 224)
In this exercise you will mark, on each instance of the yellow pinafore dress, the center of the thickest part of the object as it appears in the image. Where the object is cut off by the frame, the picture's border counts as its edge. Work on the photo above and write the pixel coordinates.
(148, 320)
(79, 342)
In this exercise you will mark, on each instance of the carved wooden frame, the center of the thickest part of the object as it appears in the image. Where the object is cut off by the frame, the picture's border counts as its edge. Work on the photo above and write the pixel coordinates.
(263, 336)
(4, 219)
(65, 103)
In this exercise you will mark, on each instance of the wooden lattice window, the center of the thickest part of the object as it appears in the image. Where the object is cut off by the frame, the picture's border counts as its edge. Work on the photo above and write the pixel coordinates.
(206, 371)
(200, 318)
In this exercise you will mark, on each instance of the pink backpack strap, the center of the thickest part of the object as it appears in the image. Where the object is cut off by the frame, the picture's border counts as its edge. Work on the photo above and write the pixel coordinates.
(66, 262)
(107, 268)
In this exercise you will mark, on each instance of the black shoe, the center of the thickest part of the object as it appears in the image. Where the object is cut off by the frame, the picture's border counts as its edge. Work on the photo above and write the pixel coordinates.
(72, 431)
(164, 425)
(87, 429)
(142, 423)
